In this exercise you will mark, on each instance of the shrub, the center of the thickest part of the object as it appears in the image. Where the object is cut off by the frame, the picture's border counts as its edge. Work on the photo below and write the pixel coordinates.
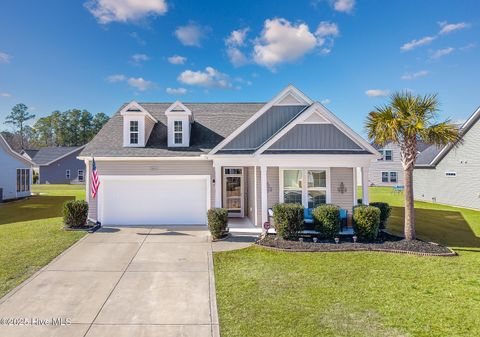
(366, 220)
(217, 222)
(385, 211)
(288, 220)
(75, 213)
(327, 220)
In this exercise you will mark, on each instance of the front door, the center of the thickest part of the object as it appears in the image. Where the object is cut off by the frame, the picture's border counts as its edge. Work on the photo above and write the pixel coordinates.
(233, 191)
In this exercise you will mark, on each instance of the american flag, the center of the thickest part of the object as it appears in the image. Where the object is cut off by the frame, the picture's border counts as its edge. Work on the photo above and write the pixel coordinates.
(95, 181)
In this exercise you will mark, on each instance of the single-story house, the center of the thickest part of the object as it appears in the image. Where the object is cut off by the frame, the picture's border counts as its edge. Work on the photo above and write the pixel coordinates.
(15, 173)
(168, 163)
(449, 174)
(57, 165)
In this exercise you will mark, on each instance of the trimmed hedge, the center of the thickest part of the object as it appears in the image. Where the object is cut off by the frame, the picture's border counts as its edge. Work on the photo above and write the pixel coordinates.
(366, 221)
(75, 213)
(288, 220)
(327, 220)
(385, 211)
(217, 222)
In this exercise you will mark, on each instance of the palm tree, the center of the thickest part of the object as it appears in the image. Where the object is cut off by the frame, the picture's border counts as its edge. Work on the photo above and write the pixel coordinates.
(405, 121)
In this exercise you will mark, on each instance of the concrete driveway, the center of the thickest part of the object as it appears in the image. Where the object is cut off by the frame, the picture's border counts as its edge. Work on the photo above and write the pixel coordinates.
(121, 282)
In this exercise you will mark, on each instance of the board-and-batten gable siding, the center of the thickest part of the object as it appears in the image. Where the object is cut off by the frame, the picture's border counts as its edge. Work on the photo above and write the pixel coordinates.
(343, 175)
(462, 190)
(379, 166)
(8, 176)
(55, 173)
(264, 127)
(314, 137)
(156, 167)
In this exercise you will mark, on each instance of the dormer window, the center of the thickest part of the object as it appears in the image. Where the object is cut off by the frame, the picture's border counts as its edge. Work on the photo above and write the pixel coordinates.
(178, 132)
(133, 132)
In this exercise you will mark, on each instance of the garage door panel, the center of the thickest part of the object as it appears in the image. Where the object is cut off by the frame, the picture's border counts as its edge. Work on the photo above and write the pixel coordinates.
(154, 202)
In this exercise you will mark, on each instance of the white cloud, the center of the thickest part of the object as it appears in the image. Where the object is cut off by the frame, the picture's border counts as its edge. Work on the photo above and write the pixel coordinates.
(442, 52)
(176, 91)
(140, 83)
(136, 37)
(139, 58)
(236, 56)
(177, 59)
(116, 78)
(412, 76)
(235, 40)
(468, 47)
(377, 92)
(4, 57)
(106, 11)
(5, 94)
(326, 32)
(417, 43)
(191, 34)
(210, 78)
(237, 37)
(282, 41)
(325, 101)
(451, 27)
(345, 6)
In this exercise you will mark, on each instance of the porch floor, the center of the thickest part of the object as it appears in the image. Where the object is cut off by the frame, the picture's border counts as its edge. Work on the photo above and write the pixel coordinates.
(242, 225)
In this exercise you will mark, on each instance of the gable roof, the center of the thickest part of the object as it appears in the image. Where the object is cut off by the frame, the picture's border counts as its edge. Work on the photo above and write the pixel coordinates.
(29, 152)
(48, 155)
(436, 153)
(213, 122)
(4, 144)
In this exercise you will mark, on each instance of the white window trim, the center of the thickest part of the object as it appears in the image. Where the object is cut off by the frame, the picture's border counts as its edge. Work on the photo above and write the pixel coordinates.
(384, 155)
(67, 174)
(83, 175)
(23, 180)
(178, 132)
(389, 178)
(328, 188)
(130, 132)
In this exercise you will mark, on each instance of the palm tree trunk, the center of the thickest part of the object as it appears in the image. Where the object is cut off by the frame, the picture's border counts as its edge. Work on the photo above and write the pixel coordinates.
(409, 228)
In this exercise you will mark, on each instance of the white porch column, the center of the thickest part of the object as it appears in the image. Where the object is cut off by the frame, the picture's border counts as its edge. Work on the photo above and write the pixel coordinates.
(264, 193)
(365, 196)
(355, 187)
(218, 186)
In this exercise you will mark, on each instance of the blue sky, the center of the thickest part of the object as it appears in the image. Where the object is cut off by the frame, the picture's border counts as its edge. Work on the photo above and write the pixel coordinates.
(349, 54)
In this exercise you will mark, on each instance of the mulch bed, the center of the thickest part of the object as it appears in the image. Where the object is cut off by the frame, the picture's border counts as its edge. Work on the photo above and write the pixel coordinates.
(385, 242)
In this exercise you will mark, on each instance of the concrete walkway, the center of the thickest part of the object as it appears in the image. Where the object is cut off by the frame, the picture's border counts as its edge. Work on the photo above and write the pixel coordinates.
(122, 282)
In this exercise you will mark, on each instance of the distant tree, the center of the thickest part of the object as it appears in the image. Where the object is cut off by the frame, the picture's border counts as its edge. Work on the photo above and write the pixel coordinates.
(17, 118)
(44, 131)
(99, 120)
(86, 127)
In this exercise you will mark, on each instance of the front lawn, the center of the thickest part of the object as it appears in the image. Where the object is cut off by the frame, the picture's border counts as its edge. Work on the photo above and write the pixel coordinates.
(269, 293)
(31, 232)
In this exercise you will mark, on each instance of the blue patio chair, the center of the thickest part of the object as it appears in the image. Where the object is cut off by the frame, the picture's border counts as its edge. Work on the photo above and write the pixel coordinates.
(307, 215)
(398, 188)
(343, 217)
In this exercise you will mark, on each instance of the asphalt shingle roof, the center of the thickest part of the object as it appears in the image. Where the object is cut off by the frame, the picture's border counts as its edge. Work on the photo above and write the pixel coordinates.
(212, 123)
(45, 155)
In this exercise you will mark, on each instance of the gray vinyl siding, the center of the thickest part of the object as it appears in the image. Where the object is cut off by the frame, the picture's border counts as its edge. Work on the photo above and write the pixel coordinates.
(337, 176)
(154, 167)
(432, 185)
(315, 137)
(55, 173)
(273, 186)
(264, 127)
(379, 166)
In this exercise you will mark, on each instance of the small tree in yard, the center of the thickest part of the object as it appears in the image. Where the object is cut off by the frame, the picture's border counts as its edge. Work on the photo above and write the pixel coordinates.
(405, 121)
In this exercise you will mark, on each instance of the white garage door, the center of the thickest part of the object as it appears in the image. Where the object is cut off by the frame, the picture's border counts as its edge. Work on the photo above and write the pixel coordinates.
(153, 200)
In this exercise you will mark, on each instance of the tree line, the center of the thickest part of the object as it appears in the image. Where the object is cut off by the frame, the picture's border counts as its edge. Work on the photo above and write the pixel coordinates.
(73, 127)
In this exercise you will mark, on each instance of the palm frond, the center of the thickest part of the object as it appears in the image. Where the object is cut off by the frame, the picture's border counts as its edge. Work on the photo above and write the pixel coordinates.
(441, 134)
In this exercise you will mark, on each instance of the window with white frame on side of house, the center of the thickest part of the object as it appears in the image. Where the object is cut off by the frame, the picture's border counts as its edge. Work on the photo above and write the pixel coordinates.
(67, 174)
(450, 174)
(387, 155)
(177, 132)
(23, 180)
(80, 175)
(389, 177)
(306, 187)
(133, 132)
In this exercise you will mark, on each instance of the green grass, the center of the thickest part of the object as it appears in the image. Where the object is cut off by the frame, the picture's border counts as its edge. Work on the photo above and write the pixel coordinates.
(31, 232)
(268, 293)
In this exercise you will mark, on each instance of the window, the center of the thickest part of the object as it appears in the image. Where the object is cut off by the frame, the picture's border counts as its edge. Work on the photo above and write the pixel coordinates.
(450, 174)
(133, 132)
(389, 177)
(292, 186)
(177, 132)
(67, 174)
(23, 180)
(80, 175)
(306, 187)
(387, 155)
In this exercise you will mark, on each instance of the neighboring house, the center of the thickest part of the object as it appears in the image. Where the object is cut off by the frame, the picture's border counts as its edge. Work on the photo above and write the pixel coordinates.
(57, 165)
(15, 173)
(450, 174)
(388, 170)
(168, 163)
